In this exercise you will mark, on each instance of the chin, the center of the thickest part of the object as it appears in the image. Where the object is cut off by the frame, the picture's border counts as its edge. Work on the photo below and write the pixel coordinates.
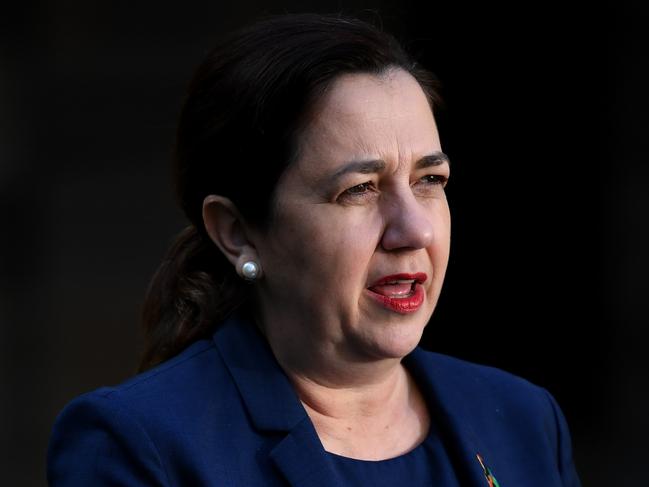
(396, 340)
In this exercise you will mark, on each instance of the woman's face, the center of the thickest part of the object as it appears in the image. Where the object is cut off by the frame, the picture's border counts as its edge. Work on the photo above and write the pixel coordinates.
(354, 261)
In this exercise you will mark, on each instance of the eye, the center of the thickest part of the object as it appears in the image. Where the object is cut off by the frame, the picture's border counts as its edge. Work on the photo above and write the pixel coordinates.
(359, 189)
(430, 185)
(357, 194)
(435, 179)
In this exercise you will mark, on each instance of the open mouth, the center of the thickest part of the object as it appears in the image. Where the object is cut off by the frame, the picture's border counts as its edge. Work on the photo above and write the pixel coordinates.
(401, 288)
(402, 293)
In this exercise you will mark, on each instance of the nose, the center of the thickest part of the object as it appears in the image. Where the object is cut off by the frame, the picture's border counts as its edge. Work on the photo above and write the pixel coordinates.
(408, 223)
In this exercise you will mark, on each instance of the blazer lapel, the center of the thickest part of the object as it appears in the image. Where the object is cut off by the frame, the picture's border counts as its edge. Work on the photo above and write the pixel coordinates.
(302, 459)
(273, 405)
(448, 411)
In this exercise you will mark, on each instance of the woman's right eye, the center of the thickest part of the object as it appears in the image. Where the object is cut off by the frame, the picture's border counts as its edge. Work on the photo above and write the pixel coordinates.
(357, 194)
(358, 189)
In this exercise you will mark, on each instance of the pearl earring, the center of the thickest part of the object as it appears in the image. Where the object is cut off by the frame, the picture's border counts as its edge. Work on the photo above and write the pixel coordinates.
(250, 270)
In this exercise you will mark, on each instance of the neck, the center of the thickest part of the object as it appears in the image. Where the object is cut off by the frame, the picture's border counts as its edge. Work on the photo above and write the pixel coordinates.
(368, 411)
(361, 405)
(369, 422)
(367, 395)
(340, 386)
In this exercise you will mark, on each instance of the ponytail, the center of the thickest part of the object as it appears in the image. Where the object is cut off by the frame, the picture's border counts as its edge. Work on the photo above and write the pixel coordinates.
(194, 288)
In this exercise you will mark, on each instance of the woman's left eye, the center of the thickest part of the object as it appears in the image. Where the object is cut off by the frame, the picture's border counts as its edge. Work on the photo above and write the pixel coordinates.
(434, 179)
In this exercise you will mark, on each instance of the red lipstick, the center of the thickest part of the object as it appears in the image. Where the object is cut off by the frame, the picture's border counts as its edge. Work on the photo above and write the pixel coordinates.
(401, 293)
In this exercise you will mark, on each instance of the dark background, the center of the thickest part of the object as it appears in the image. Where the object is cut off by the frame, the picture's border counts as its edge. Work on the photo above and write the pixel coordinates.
(546, 124)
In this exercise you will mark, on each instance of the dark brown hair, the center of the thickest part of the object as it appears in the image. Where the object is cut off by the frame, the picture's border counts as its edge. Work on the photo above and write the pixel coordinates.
(237, 133)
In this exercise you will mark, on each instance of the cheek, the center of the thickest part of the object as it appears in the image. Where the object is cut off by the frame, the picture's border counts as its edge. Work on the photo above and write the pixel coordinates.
(440, 248)
(329, 252)
(443, 217)
(353, 244)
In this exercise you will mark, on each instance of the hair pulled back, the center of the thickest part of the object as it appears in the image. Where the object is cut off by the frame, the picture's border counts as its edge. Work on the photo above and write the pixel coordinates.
(238, 130)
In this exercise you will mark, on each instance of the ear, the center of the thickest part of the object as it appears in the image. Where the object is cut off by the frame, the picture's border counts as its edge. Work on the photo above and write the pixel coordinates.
(226, 228)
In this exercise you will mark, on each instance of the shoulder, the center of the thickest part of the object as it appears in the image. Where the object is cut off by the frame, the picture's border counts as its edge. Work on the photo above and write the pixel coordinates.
(195, 376)
(494, 401)
(196, 363)
(143, 418)
(474, 380)
(508, 413)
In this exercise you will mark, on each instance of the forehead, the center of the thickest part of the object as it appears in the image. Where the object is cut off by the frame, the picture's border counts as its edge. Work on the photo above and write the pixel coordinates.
(364, 115)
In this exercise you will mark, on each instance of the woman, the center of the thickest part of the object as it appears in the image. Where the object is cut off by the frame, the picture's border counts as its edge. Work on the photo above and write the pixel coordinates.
(283, 325)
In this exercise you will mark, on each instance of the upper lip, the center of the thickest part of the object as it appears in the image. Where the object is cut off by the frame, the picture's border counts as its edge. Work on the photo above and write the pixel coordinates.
(418, 277)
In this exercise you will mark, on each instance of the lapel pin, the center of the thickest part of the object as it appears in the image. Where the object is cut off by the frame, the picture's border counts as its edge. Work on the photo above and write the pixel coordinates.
(487, 473)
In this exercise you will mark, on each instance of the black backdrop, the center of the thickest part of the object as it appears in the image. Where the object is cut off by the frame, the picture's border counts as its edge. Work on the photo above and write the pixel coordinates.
(546, 124)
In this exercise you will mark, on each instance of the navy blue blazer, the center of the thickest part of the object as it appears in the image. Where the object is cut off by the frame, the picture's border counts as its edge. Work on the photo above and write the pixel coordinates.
(223, 413)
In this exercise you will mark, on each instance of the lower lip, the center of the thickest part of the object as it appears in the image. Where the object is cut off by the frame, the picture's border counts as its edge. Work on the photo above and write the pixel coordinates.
(405, 305)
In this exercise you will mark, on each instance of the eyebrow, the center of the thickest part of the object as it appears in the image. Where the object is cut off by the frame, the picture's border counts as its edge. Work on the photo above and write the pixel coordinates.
(375, 166)
(435, 159)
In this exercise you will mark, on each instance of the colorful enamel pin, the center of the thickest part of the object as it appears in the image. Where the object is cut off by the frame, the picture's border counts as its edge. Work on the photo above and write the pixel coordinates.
(487, 473)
